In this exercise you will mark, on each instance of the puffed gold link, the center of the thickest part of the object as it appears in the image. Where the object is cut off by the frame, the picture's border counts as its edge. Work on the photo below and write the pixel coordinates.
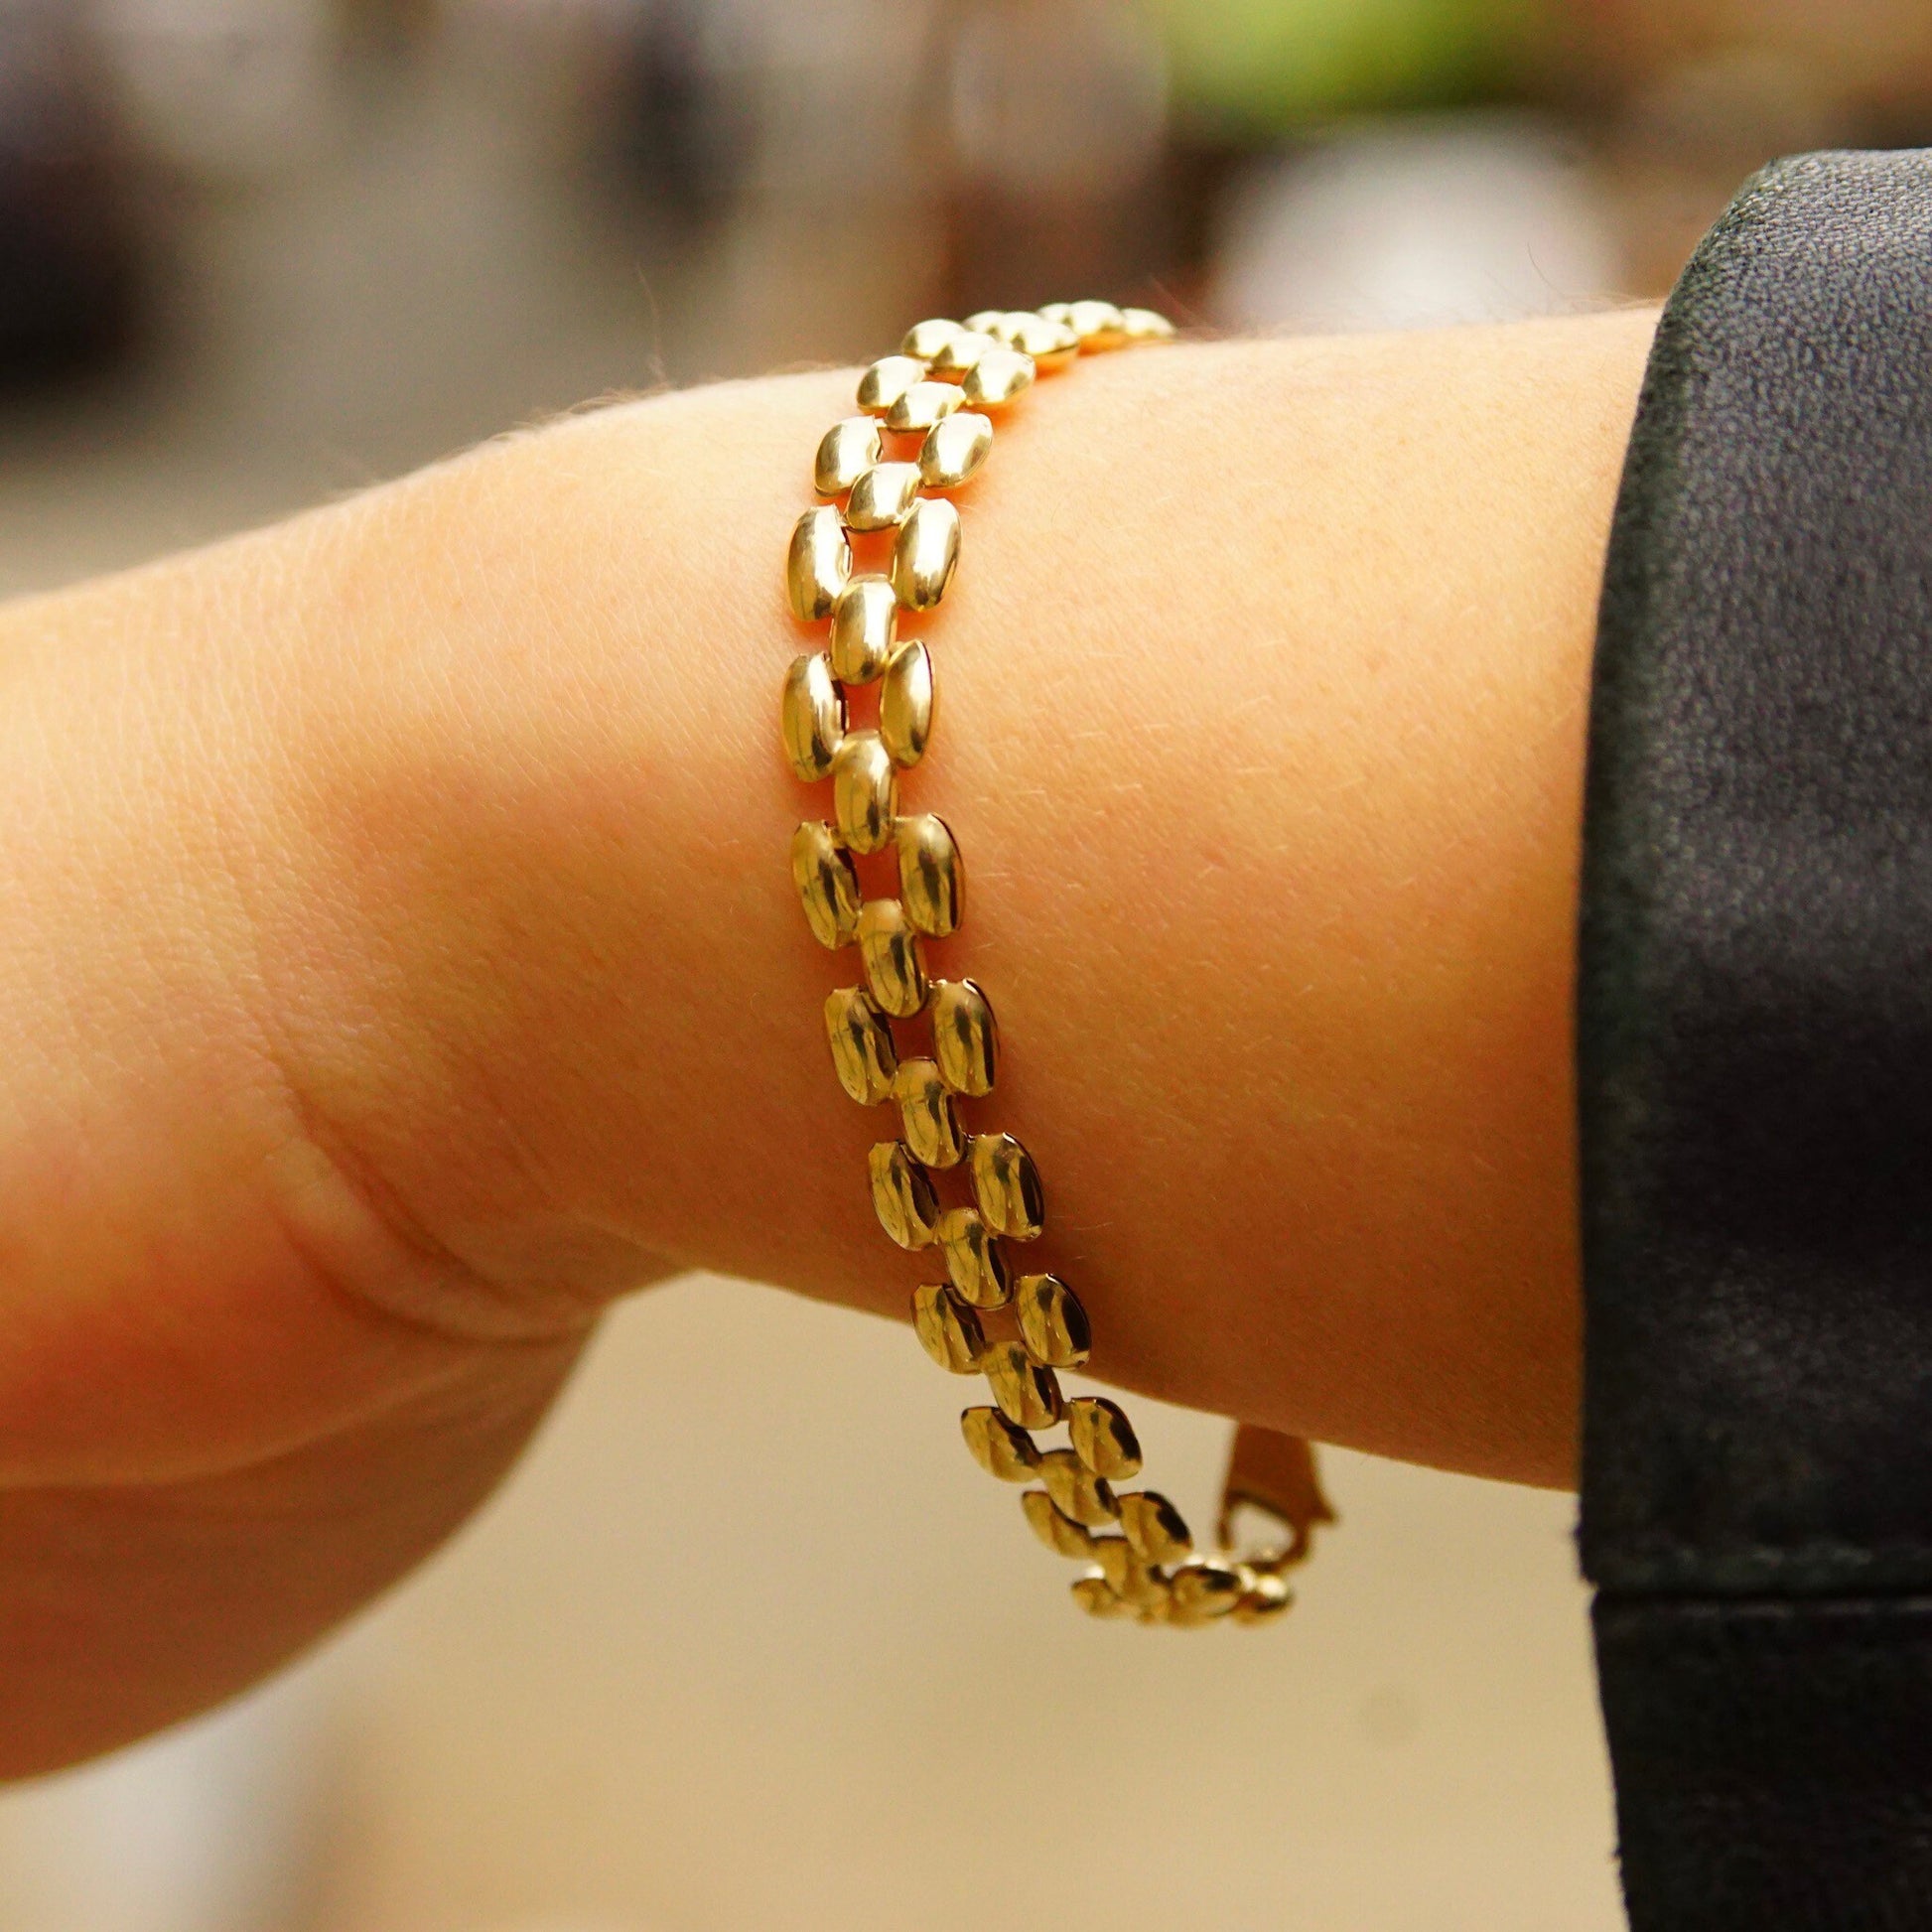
(985, 321)
(1098, 324)
(1028, 1394)
(1003, 1451)
(1103, 1439)
(892, 958)
(818, 563)
(865, 792)
(811, 716)
(929, 1121)
(924, 340)
(962, 351)
(864, 629)
(925, 553)
(965, 1037)
(1000, 376)
(828, 886)
(1052, 1323)
(1060, 1534)
(1203, 1590)
(1096, 1596)
(1147, 326)
(1006, 1185)
(1130, 1576)
(863, 1053)
(882, 496)
(846, 450)
(887, 381)
(905, 697)
(954, 450)
(948, 1331)
(924, 407)
(902, 1195)
(932, 875)
(1077, 1492)
(974, 1261)
(1051, 344)
(1157, 1530)
(1265, 1599)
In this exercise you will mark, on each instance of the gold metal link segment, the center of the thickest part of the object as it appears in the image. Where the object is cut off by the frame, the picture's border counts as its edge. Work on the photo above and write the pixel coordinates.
(923, 429)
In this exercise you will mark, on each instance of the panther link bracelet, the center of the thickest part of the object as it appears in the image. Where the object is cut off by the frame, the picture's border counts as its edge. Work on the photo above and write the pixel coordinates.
(924, 430)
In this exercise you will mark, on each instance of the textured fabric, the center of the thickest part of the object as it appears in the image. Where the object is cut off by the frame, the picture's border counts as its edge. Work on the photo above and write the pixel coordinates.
(1755, 1074)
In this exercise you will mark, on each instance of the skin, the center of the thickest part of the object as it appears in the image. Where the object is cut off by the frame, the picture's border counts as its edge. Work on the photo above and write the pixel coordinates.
(400, 961)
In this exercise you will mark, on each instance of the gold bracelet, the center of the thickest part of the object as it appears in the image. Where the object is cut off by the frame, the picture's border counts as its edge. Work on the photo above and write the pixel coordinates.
(934, 402)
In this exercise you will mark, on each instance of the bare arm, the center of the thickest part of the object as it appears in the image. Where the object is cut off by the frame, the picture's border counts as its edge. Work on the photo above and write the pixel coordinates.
(399, 959)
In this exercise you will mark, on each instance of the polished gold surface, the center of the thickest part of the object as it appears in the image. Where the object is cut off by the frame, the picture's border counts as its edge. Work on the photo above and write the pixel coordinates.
(863, 1053)
(865, 792)
(894, 965)
(1157, 1530)
(902, 1195)
(1006, 1185)
(965, 1036)
(1052, 1323)
(887, 381)
(924, 406)
(817, 564)
(999, 377)
(1000, 1449)
(1028, 1394)
(954, 449)
(811, 716)
(828, 887)
(928, 1120)
(940, 388)
(882, 496)
(905, 704)
(974, 1260)
(864, 629)
(845, 452)
(931, 880)
(925, 553)
(1102, 1438)
(948, 1331)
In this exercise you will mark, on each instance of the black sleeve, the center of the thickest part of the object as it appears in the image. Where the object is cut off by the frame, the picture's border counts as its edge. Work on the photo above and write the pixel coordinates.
(1755, 1075)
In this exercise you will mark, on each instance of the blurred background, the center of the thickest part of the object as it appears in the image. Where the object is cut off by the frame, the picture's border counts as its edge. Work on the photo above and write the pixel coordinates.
(255, 252)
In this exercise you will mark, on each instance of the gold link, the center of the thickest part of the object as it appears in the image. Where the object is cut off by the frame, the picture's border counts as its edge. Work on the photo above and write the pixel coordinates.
(883, 498)
(924, 406)
(948, 1331)
(1098, 324)
(965, 1036)
(1204, 1589)
(811, 716)
(1130, 1578)
(828, 887)
(1052, 1323)
(1096, 1596)
(931, 875)
(894, 960)
(863, 1053)
(925, 553)
(924, 340)
(1076, 1489)
(1157, 1530)
(1265, 1599)
(1027, 1393)
(1102, 1438)
(887, 381)
(1006, 1185)
(818, 564)
(974, 1262)
(1147, 326)
(999, 377)
(1060, 1535)
(1060, 312)
(865, 792)
(986, 320)
(864, 629)
(962, 351)
(1051, 344)
(929, 1123)
(905, 704)
(954, 449)
(999, 1448)
(902, 1195)
(845, 451)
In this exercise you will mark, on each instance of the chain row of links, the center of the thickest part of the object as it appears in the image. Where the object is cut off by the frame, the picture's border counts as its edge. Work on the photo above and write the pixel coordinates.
(886, 475)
